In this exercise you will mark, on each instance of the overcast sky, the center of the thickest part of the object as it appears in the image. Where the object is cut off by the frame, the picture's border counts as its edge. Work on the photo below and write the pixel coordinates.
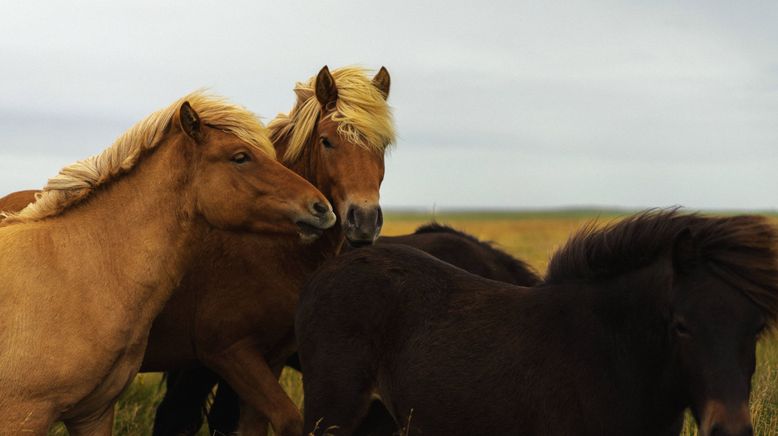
(499, 104)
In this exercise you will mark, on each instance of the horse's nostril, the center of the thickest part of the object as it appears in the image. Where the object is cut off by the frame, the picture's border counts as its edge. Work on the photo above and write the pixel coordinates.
(320, 207)
(351, 216)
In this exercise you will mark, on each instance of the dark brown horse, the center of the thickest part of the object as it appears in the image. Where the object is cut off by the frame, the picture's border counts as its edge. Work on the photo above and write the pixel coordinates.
(467, 252)
(633, 324)
(189, 389)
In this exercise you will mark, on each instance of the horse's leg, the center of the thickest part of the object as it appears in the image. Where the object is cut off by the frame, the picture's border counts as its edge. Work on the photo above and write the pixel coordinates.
(337, 393)
(377, 422)
(100, 424)
(225, 411)
(246, 370)
(181, 410)
(18, 417)
(258, 421)
(261, 421)
(294, 362)
(251, 422)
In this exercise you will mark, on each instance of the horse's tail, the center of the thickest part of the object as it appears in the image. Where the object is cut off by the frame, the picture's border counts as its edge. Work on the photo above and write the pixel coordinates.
(184, 406)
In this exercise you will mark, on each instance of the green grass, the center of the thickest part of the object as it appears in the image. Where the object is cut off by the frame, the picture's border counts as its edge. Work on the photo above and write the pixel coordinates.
(530, 235)
(135, 410)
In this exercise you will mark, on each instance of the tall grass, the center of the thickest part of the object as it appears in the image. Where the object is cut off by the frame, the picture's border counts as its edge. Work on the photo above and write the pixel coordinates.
(532, 237)
(136, 407)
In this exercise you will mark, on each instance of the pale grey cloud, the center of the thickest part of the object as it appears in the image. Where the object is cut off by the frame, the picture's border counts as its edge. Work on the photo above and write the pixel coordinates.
(501, 104)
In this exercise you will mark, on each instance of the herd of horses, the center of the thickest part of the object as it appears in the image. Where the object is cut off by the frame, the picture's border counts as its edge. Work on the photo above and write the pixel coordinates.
(209, 246)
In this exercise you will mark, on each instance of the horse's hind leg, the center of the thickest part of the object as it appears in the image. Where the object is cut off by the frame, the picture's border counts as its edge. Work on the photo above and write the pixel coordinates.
(100, 424)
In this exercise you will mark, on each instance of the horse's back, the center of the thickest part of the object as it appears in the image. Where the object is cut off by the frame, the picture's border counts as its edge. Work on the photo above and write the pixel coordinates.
(398, 280)
(17, 201)
(375, 276)
(467, 252)
(366, 290)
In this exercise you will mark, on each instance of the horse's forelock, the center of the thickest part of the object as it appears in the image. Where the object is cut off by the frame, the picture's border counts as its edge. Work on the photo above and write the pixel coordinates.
(364, 117)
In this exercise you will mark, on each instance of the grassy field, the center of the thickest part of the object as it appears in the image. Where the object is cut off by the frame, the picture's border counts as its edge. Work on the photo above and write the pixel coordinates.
(532, 236)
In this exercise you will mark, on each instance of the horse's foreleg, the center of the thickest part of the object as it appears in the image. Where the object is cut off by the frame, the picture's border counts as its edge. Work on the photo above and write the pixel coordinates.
(338, 385)
(100, 424)
(225, 410)
(19, 417)
(247, 372)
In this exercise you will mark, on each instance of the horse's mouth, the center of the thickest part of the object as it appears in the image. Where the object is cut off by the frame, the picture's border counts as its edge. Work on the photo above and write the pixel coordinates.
(359, 243)
(307, 232)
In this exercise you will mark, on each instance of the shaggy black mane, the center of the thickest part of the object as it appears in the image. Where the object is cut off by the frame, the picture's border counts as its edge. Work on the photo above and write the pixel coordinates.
(739, 249)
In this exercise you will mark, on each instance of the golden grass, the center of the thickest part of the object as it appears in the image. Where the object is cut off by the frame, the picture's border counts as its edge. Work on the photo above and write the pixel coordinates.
(532, 238)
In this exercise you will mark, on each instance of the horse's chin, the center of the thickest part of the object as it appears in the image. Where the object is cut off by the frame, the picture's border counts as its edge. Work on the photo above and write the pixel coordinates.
(359, 243)
(308, 233)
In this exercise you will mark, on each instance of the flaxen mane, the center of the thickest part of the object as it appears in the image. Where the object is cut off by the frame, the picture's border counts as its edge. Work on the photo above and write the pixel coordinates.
(75, 182)
(361, 110)
(740, 250)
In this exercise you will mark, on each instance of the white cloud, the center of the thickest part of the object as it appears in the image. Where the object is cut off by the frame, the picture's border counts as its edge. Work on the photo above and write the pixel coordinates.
(555, 100)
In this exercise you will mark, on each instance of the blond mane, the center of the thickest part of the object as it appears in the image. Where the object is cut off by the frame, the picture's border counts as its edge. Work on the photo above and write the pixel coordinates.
(361, 111)
(76, 181)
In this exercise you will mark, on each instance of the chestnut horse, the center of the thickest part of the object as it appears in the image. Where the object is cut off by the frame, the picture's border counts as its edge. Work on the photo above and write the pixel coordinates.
(187, 390)
(634, 323)
(87, 267)
(234, 312)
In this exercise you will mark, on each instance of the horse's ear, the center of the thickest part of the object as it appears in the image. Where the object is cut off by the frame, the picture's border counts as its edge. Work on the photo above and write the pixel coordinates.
(326, 91)
(684, 252)
(382, 81)
(190, 122)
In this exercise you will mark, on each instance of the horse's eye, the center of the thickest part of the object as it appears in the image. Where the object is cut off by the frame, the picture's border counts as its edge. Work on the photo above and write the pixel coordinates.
(326, 142)
(241, 158)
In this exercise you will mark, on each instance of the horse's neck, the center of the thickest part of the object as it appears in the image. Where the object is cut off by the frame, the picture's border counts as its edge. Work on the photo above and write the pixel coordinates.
(136, 232)
(629, 311)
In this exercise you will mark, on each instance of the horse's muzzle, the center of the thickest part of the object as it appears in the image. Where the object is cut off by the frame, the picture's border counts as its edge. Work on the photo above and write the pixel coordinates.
(363, 224)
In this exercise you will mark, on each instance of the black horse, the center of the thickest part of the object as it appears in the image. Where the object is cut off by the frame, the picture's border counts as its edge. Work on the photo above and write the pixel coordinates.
(634, 323)
(183, 407)
(467, 252)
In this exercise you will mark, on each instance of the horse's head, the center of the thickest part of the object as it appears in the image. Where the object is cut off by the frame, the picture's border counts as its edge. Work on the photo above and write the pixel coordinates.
(237, 185)
(714, 327)
(711, 288)
(349, 168)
